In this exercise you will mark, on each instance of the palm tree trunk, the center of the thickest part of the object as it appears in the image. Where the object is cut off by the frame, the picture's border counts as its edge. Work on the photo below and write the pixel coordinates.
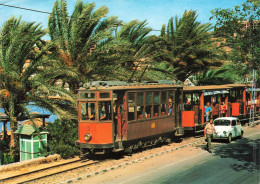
(13, 139)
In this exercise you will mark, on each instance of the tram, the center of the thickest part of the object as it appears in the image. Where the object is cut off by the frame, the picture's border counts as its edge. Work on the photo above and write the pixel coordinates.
(116, 116)
(195, 100)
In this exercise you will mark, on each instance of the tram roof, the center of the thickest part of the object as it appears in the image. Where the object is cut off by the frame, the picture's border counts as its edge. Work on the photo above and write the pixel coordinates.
(132, 87)
(203, 88)
(236, 85)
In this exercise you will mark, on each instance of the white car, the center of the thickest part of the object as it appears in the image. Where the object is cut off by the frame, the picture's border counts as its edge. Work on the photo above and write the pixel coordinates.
(227, 128)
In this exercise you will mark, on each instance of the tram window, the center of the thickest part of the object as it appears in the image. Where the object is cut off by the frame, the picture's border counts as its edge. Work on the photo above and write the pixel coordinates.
(156, 101)
(148, 104)
(170, 96)
(163, 97)
(105, 111)
(87, 111)
(140, 99)
(156, 98)
(170, 109)
(196, 99)
(140, 112)
(155, 110)
(170, 103)
(148, 110)
(87, 95)
(163, 109)
(131, 106)
(104, 95)
(140, 106)
(148, 98)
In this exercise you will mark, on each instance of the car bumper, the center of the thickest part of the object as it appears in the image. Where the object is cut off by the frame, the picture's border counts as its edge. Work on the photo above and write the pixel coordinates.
(220, 136)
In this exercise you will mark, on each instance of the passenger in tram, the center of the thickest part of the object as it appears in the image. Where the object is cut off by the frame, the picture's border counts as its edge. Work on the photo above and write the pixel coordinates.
(187, 105)
(223, 109)
(102, 112)
(207, 111)
(169, 109)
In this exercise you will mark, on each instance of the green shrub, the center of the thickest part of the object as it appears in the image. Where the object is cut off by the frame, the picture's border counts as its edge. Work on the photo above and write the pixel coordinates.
(8, 158)
(62, 137)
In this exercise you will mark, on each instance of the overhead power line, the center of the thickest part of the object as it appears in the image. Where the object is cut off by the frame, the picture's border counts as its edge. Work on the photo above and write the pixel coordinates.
(44, 12)
(28, 9)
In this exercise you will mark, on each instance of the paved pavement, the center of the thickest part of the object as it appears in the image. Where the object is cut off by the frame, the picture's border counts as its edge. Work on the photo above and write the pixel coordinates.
(235, 163)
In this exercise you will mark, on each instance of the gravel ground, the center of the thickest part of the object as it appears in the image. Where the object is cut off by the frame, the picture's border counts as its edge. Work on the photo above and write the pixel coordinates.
(110, 162)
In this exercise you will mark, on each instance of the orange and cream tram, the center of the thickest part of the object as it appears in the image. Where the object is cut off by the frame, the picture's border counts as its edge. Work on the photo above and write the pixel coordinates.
(253, 102)
(195, 100)
(116, 116)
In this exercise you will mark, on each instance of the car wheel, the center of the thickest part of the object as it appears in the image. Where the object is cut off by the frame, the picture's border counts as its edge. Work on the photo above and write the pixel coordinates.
(229, 139)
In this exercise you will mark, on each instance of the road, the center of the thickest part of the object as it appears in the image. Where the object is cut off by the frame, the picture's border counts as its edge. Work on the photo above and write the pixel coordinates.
(235, 163)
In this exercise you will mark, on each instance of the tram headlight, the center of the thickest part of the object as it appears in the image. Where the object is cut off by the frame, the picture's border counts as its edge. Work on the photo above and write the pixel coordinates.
(87, 137)
(224, 132)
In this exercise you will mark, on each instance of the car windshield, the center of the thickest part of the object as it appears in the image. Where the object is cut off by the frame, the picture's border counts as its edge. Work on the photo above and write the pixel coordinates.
(221, 122)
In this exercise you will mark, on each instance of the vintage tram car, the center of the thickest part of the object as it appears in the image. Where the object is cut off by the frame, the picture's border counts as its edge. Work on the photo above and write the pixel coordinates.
(236, 99)
(195, 99)
(116, 116)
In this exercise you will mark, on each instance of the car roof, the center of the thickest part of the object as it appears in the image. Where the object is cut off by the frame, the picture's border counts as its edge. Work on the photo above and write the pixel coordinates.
(226, 118)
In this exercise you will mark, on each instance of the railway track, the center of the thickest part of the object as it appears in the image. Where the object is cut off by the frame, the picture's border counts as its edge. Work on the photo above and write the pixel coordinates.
(47, 171)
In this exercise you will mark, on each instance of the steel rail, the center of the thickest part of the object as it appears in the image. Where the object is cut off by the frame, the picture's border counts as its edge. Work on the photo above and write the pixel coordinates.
(16, 177)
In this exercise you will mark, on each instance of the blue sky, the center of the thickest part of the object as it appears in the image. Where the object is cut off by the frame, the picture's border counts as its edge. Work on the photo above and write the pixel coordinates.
(156, 12)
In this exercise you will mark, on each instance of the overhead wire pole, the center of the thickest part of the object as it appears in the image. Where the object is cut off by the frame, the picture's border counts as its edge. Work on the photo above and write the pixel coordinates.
(253, 102)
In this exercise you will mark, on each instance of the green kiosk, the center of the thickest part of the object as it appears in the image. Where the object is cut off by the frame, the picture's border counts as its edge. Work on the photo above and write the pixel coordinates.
(31, 141)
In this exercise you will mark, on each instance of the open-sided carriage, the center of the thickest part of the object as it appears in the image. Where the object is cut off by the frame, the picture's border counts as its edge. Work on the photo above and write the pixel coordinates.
(196, 98)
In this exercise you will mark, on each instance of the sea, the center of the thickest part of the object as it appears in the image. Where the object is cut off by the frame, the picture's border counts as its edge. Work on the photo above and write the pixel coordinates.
(32, 109)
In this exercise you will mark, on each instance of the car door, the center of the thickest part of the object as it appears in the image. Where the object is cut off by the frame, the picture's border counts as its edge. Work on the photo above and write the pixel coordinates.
(239, 128)
(234, 128)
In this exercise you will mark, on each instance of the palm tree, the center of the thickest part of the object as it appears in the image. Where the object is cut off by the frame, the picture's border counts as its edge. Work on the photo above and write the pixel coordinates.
(188, 46)
(135, 47)
(83, 40)
(224, 75)
(22, 62)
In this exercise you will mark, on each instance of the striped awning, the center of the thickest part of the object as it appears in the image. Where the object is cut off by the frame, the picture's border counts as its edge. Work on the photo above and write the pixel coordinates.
(208, 93)
(250, 89)
(224, 92)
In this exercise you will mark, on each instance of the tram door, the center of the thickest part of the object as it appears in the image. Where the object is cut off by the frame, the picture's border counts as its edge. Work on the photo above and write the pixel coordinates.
(178, 107)
(119, 119)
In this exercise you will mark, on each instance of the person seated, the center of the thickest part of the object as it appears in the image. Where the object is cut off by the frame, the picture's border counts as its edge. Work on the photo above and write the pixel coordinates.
(102, 113)
(169, 109)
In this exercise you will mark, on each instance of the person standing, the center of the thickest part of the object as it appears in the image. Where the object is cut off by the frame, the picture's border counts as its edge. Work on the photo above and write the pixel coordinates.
(208, 133)
(223, 108)
(207, 111)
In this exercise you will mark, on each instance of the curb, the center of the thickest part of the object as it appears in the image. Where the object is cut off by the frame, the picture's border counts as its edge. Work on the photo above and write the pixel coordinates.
(129, 163)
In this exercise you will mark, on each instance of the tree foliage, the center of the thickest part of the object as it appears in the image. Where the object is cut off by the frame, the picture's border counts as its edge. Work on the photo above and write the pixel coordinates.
(62, 138)
(83, 40)
(22, 62)
(239, 28)
(188, 46)
(223, 75)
